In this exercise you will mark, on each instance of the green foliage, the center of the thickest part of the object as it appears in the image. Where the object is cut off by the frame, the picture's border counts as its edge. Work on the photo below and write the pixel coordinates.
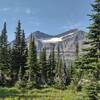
(4, 57)
(39, 94)
(61, 77)
(23, 52)
(51, 67)
(19, 66)
(90, 91)
(18, 54)
(93, 51)
(43, 66)
(71, 95)
(4, 50)
(32, 62)
(21, 84)
(87, 67)
(8, 91)
(16, 49)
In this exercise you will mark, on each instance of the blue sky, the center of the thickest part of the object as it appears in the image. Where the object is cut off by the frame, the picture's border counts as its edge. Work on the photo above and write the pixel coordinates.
(49, 16)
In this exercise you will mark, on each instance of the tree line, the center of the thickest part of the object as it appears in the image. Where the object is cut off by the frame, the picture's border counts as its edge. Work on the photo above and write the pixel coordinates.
(19, 64)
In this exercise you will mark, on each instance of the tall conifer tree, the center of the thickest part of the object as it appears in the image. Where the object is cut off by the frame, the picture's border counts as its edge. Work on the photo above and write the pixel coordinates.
(32, 62)
(43, 65)
(16, 51)
(51, 67)
(91, 59)
(23, 52)
(4, 49)
(4, 54)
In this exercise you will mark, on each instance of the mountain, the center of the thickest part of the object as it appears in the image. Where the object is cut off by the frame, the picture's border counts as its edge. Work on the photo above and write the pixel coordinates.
(66, 42)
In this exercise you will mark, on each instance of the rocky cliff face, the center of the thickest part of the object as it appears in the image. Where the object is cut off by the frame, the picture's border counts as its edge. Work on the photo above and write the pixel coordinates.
(66, 41)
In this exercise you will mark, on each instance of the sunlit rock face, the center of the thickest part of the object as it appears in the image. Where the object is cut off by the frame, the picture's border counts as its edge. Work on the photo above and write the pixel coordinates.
(66, 41)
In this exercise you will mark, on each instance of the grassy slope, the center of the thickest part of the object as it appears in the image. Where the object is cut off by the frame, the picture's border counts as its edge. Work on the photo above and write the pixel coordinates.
(36, 94)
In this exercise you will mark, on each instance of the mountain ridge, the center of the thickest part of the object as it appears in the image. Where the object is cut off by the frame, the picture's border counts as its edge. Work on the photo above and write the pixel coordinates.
(39, 34)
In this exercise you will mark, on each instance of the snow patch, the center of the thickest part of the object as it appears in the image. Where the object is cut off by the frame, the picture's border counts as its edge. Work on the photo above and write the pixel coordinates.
(56, 39)
(53, 40)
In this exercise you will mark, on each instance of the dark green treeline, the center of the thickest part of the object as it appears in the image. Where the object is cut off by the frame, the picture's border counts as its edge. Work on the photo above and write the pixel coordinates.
(20, 66)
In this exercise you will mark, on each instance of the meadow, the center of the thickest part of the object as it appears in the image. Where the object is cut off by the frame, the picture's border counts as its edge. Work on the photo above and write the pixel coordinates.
(38, 94)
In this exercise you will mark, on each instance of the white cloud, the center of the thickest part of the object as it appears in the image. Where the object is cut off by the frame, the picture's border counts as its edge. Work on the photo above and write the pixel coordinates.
(5, 9)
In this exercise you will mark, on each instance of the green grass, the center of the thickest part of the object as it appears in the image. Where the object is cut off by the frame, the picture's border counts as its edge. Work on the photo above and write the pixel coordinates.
(36, 94)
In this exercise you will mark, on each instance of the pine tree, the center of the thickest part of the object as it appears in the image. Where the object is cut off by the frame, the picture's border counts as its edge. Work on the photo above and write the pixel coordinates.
(16, 51)
(32, 62)
(90, 91)
(23, 53)
(43, 65)
(92, 57)
(51, 67)
(58, 74)
(76, 71)
(88, 65)
(4, 47)
(10, 60)
(22, 80)
(4, 64)
(61, 76)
